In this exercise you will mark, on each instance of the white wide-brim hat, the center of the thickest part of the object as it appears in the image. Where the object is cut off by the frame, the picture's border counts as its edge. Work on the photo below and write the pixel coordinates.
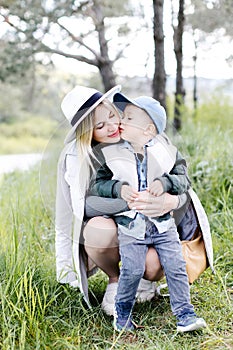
(79, 102)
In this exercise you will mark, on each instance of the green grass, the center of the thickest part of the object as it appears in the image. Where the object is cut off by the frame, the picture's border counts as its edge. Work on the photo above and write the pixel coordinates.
(29, 135)
(38, 313)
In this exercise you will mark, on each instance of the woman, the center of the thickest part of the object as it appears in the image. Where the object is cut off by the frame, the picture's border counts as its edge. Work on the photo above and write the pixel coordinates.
(81, 245)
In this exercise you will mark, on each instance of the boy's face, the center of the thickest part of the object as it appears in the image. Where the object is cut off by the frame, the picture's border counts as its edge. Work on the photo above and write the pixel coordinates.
(134, 122)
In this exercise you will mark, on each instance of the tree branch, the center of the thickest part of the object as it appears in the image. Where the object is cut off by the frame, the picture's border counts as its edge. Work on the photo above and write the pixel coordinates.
(80, 41)
(80, 58)
(44, 48)
(119, 54)
(6, 20)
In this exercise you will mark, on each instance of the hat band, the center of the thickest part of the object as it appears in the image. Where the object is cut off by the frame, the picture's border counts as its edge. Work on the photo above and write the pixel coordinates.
(93, 99)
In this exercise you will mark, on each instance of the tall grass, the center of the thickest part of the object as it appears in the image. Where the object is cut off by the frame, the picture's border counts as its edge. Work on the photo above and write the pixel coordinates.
(28, 135)
(38, 313)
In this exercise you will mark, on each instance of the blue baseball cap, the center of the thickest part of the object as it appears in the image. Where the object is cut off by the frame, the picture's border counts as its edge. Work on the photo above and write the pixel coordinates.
(151, 106)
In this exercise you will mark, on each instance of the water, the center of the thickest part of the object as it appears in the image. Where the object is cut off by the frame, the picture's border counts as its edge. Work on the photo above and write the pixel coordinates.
(21, 162)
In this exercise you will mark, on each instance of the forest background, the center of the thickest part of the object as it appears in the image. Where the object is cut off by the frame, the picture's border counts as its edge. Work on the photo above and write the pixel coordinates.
(47, 47)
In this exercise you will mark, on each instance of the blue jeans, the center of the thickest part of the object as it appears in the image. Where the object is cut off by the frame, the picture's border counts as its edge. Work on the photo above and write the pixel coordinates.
(133, 255)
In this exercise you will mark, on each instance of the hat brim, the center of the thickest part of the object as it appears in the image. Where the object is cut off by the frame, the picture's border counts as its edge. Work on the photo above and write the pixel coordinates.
(72, 132)
(120, 101)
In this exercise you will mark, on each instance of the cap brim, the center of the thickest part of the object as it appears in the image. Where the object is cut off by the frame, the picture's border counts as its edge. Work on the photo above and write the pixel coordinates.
(120, 101)
(109, 94)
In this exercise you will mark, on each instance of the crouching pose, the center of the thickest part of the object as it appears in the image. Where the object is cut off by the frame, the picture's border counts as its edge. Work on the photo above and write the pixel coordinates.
(146, 160)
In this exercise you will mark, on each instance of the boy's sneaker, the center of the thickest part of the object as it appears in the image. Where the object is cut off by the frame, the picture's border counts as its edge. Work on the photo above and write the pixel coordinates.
(125, 325)
(123, 318)
(190, 322)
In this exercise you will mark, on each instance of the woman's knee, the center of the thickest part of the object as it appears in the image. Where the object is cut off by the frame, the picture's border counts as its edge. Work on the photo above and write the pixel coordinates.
(153, 270)
(101, 233)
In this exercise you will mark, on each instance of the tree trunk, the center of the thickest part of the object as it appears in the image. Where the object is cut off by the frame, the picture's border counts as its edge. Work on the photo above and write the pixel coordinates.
(107, 76)
(105, 65)
(159, 79)
(195, 77)
(180, 92)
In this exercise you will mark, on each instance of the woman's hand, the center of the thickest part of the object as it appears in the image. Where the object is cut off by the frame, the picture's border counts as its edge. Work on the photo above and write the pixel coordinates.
(152, 206)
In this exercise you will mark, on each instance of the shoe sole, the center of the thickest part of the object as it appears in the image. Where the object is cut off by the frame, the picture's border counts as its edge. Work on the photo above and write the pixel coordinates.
(192, 327)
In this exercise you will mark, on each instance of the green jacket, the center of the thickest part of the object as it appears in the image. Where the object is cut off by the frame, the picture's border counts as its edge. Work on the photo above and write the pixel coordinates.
(119, 167)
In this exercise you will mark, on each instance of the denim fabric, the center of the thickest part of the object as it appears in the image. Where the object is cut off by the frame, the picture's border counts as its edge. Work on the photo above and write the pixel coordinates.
(133, 255)
(141, 162)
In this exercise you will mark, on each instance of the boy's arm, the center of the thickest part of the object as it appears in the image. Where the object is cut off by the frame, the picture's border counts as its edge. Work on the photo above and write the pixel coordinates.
(104, 186)
(177, 181)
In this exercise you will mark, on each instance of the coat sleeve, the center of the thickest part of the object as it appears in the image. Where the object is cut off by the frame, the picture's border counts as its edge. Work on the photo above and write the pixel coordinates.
(96, 206)
(63, 227)
(177, 181)
(103, 185)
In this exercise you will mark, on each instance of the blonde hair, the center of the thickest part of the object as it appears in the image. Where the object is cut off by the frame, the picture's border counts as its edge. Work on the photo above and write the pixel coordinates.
(109, 105)
(84, 136)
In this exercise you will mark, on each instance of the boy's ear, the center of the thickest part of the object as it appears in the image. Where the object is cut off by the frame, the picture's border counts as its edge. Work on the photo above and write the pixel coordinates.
(151, 129)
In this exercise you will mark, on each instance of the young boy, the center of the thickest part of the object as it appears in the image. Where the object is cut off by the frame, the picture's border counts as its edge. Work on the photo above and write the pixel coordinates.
(146, 160)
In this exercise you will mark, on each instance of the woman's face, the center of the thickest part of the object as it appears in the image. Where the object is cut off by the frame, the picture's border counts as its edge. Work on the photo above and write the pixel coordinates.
(106, 124)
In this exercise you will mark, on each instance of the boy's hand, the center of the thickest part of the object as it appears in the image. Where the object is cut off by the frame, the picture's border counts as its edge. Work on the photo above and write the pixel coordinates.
(156, 188)
(128, 193)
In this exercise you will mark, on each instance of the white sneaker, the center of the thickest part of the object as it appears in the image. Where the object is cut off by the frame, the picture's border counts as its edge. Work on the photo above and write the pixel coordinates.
(162, 286)
(146, 291)
(108, 302)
